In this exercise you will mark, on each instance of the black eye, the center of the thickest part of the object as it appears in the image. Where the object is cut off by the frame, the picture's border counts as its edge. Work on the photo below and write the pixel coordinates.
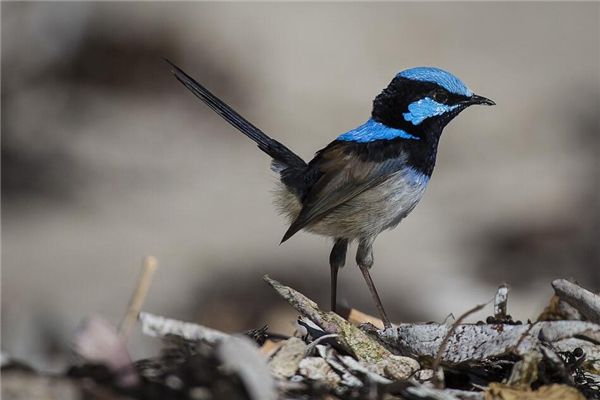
(440, 97)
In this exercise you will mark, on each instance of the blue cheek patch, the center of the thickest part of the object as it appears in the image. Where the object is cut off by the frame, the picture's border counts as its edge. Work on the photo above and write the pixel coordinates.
(420, 110)
(443, 78)
(373, 130)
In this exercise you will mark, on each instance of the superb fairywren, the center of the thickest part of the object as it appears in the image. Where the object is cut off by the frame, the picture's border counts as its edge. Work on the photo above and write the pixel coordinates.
(368, 179)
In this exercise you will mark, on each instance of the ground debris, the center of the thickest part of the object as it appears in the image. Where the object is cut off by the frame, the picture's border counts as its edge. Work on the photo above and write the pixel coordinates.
(286, 360)
(330, 358)
(359, 343)
(497, 391)
(317, 369)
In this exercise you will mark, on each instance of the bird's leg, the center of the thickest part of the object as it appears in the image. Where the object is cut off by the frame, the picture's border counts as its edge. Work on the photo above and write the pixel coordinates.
(337, 259)
(364, 259)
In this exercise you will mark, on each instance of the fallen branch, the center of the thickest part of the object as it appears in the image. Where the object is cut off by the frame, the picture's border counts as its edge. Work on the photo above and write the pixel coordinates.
(157, 326)
(472, 342)
(584, 301)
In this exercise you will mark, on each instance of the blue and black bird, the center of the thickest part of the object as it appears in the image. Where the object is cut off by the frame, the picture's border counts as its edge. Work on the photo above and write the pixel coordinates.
(368, 179)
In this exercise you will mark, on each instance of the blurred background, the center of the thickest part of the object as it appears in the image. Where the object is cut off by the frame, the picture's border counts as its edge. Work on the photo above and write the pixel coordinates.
(107, 158)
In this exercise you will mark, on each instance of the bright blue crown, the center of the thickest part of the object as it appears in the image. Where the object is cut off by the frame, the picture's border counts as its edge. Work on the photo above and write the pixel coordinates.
(443, 78)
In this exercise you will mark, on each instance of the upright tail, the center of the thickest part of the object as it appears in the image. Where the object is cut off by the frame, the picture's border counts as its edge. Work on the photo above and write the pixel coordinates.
(282, 156)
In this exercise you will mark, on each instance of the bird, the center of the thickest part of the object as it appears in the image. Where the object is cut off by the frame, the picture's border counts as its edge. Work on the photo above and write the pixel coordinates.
(367, 179)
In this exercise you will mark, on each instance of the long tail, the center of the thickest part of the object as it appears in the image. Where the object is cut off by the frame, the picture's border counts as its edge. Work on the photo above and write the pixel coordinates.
(280, 153)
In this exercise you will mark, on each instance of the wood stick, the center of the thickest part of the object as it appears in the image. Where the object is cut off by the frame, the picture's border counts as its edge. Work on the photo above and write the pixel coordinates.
(500, 302)
(358, 317)
(149, 265)
(586, 302)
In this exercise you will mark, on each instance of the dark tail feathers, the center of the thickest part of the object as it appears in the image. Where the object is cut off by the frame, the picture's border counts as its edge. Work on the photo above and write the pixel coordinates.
(283, 158)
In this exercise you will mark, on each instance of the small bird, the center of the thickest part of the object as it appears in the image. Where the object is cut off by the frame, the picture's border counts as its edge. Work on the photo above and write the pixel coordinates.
(369, 178)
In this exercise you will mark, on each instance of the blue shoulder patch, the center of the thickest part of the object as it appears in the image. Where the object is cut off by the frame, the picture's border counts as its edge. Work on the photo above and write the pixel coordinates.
(373, 130)
(422, 109)
(443, 78)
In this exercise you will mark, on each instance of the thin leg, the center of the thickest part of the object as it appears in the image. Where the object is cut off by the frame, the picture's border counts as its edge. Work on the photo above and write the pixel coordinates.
(364, 259)
(337, 259)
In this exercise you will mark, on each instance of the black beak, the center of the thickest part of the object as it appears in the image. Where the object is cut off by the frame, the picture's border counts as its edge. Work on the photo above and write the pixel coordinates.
(475, 99)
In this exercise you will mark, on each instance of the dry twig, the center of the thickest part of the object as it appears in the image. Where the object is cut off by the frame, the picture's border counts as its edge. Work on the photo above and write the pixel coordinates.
(149, 265)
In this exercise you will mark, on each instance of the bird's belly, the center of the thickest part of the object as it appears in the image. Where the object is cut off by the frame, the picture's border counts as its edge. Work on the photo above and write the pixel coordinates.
(374, 210)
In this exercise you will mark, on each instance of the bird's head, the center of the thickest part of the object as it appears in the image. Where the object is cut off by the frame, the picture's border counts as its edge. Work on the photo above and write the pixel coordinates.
(422, 100)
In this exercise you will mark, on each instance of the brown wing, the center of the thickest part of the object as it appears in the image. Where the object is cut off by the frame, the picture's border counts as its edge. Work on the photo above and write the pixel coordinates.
(344, 176)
